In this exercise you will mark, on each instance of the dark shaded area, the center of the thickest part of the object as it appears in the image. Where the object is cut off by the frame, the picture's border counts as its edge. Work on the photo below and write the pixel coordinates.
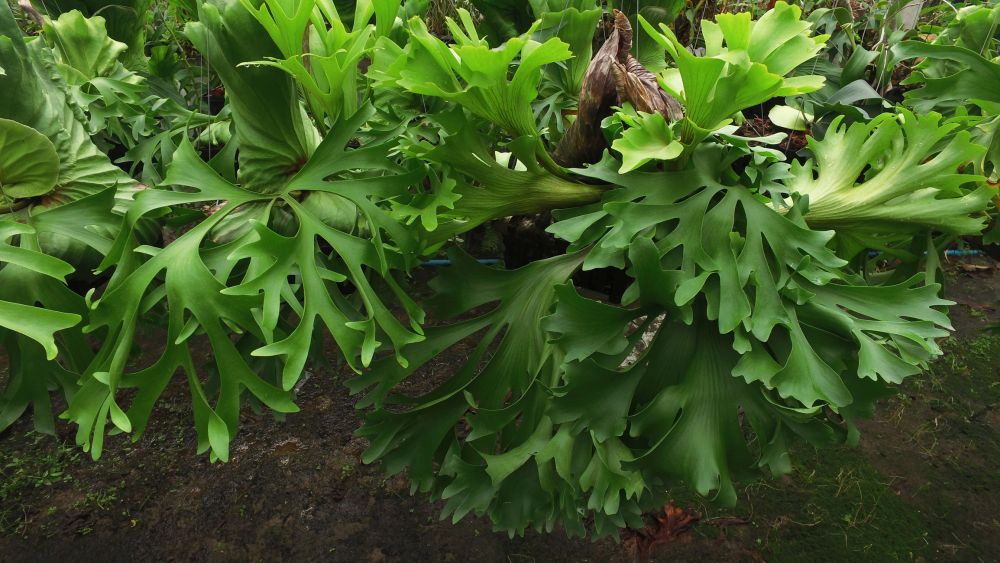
(921, 486)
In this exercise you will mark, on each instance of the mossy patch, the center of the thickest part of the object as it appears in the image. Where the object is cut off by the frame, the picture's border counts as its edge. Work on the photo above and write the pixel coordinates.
(837, 507)
(921, 486)
(23, 474)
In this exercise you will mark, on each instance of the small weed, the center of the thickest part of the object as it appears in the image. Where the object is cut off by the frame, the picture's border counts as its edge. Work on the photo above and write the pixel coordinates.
(983, 346)
(346, 470)
(47, 468)
(103, 500)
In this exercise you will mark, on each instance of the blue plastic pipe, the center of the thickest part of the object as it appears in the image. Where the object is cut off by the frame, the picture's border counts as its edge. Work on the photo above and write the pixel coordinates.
(495, 261)
(443, 262)
(972, 252)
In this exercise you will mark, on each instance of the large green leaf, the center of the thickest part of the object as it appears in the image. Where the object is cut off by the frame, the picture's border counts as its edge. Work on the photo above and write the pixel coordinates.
(575, 23)
(895, 174)
(762, 321)
(36, 304)
(125, 20)
(29, 165)
(37, 97)
(955, 76)
(65, 232)
(20, 314)
(274, 134)
(191, 290)
(504, 456)
(319, 52)
(83, 46)
(973, 82)
(244, 285)
(475, 76)
(488, 189)
(745, 63)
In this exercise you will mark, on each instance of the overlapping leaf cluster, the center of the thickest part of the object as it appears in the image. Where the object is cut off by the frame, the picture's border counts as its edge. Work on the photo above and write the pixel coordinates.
(60, 193)
(747, 322)
(742, 329)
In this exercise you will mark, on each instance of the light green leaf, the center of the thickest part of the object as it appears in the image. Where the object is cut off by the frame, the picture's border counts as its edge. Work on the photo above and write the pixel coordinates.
(917, 182)
(649, 139)
(575, 26)
(475, 76)
(36, 323)
(275, 136)
(745, 63)
(82, 45)
(789, 117)
(29, 165)
(490, 190)
(218, 437)
(324, 59)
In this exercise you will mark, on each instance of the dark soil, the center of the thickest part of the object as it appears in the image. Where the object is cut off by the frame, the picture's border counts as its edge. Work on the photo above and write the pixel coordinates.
(923, 485)
(761, 126)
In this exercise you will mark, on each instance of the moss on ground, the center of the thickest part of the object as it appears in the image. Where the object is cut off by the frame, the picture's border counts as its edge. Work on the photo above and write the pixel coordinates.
(22, 474)
(838, 507)
(920, 487)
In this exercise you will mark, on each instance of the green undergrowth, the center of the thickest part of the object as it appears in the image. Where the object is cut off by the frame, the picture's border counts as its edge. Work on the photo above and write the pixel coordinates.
(843, 511)
(848, 511)
(917, 489)
(22, 474)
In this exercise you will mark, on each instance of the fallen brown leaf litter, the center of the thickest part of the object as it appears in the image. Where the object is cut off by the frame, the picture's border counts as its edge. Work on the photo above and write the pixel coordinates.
(671, 525)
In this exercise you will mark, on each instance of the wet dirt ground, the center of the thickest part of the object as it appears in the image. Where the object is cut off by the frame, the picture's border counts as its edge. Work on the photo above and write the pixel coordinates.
(923, 485)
